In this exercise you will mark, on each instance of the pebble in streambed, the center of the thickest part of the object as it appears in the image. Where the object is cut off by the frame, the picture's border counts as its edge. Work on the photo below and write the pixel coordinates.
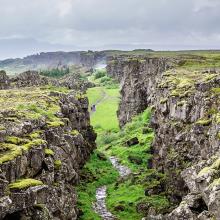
(100, 206)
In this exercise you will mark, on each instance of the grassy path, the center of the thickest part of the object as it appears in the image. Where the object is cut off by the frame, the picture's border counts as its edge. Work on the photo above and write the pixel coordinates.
(100, 100)
(106, 101)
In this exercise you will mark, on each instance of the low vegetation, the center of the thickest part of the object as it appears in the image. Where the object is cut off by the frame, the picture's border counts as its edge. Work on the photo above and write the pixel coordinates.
(55, 72)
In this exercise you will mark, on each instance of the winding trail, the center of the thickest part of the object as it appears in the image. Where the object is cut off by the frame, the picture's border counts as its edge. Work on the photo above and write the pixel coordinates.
(101, 193)
(104, 95)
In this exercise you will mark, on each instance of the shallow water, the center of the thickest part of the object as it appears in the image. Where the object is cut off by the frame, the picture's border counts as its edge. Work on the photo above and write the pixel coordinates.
(100, 205)
(123, 170)
(101, 193)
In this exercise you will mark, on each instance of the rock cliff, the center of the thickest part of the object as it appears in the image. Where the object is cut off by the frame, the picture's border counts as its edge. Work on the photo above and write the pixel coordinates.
(45, 138)
(186, 122)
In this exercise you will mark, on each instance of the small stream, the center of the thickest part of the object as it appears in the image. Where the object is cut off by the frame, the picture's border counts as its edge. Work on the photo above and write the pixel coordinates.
(101, 193)
(100, 205)
(123, 170)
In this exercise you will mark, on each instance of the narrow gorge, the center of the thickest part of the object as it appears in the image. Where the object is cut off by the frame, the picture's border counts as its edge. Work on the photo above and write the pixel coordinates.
(138, 140)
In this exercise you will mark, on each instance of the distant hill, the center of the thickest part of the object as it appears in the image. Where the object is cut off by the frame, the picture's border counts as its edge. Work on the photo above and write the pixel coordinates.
(48, 60)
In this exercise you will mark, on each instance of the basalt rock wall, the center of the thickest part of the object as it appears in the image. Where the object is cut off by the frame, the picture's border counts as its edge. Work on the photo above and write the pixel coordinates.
(45, 138)
(185, 117)
(138, 78)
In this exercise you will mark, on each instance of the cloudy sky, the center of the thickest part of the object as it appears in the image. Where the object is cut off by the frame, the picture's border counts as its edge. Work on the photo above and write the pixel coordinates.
(30, 26)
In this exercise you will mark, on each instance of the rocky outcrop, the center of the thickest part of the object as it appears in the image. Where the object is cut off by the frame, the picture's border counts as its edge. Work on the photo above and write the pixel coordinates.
(45, 138)
(138, 78)
(4, 80)
(34, 79)
(186, 122)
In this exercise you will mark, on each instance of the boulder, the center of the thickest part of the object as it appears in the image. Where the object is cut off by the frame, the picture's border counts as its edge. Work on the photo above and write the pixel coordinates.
(132, 141)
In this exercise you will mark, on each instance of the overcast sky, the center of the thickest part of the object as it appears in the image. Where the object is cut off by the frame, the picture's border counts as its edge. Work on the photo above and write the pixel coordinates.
(30, 26)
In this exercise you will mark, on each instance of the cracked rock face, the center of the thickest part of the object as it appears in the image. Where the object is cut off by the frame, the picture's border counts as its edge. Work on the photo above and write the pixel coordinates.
(186, 121)
(41, 151)
(4, 80)
(138, 79)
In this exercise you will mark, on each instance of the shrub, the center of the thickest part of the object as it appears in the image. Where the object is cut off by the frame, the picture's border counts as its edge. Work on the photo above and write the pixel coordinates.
(56, 73)
(105, 79)
(100, 73)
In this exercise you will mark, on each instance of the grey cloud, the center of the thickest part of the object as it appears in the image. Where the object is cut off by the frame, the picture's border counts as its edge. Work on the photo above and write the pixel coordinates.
(93, 23)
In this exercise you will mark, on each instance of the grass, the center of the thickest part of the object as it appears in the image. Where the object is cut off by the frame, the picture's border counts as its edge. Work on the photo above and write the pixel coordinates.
(105, 115)
(94, 94)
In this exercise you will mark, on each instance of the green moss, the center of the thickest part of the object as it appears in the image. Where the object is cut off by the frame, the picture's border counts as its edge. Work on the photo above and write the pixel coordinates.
(217, 118)
(210, 77)
(9, 152)
(182, 83)
(80, 96)
(34, 143)
(181, 103)
(15, 140)
(49, 152)
(206, 170)
(211, 169)
(35, 135)
(57, 164)
(14, 147)
(216, 90)
(204, 122)
(57, 123)
(25, 183)
(74, 132)
(175, 93)
(2, 128)
(216, 182)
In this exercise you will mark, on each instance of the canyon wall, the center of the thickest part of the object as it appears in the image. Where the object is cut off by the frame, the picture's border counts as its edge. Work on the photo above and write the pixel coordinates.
(185, 107)
(138, 78)
(45, 138)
